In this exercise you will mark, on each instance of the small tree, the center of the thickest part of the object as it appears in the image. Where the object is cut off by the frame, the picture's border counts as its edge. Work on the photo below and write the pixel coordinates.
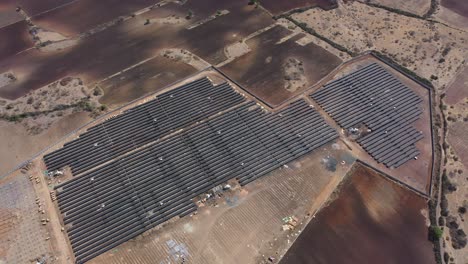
(435, 233)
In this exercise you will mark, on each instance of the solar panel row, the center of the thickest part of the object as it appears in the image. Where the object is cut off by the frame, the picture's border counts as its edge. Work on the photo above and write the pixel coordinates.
(120, 200)
(147, 122)
(374, 97)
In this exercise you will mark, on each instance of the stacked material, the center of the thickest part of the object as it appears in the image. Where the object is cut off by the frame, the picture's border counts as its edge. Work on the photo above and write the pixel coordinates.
(375, 98)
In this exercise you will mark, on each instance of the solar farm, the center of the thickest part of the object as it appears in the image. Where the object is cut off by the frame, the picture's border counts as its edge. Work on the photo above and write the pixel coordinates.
(137, 170)
(373, 97)
(116, 197)
(226, 132)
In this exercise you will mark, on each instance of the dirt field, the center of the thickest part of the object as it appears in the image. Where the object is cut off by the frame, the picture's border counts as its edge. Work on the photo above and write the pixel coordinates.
(278, 68)
(277, 7)
(372, 220)
(432, 50)
(418, 7)
(244, 225)
(15, 38)
(415, 173)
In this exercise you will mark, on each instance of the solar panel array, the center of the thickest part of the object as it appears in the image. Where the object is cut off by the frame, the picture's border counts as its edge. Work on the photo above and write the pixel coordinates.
(120, 200)
(374, 97)
(147, 122)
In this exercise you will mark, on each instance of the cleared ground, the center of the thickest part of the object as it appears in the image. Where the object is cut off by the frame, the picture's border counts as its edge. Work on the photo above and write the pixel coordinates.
(243, 224)
(372, 220)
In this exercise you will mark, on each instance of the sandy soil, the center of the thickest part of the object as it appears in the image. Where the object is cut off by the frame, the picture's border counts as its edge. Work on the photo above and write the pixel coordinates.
(429, 49)
(418, 7)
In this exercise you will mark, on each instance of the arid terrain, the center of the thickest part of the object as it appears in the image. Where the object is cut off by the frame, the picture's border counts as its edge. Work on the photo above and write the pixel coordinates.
(202, 131)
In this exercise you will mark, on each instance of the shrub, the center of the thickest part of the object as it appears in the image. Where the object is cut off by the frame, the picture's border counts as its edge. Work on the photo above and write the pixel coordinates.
(435, 233)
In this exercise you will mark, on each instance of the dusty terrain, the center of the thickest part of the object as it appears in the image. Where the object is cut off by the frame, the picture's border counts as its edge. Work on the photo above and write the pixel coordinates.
(372, 220)
(433, 50)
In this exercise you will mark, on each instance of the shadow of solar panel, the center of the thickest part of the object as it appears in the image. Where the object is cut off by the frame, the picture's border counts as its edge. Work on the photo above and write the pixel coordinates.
(142, 124)
(374, 97)
(120, 200)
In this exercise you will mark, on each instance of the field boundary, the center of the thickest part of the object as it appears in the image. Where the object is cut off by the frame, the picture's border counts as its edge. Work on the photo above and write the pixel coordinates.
(242, 87)
(394, 180)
